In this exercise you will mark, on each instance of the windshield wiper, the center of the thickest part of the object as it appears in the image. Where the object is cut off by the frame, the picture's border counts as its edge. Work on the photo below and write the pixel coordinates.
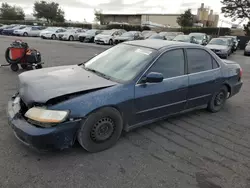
(97, 72)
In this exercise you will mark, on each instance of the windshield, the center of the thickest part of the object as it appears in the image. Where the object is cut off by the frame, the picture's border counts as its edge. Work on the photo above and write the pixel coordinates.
(183, 38)
(108, 32)
(127, 34)
(198, 36)
(122, 62)
(156, 37)
(50, 29)
(90, 31)
(219, 42)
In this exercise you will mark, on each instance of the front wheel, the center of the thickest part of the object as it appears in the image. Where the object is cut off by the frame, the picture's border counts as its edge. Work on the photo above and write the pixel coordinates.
(71, 38)
(110, 42)
(53, 37)
(218, 100)
(101, 130)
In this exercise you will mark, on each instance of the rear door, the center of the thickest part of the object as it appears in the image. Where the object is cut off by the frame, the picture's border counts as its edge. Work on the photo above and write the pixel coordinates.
(204, 76)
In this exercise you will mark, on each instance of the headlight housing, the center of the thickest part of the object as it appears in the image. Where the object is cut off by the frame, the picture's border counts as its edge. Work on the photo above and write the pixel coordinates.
(45, 117)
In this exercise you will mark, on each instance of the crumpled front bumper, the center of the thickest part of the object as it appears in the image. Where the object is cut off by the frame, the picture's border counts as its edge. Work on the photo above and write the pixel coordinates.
(60, 137)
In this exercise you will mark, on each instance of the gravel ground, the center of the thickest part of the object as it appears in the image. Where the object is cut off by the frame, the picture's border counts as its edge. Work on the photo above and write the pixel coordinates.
(198, 149)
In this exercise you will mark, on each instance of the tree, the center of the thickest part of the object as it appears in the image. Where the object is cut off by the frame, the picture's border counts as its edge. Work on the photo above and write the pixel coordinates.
(236, 8)
(8, 12)
(98, 15)
(49, 11)
(186, 19)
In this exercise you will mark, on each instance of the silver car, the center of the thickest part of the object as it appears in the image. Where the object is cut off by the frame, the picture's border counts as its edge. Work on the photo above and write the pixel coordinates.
(71, 35)
(220, 46)
(247, 49)
(29, 31)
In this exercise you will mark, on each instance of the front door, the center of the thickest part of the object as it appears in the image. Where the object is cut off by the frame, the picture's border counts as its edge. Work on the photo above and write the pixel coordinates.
(204, 77)
(155, 100)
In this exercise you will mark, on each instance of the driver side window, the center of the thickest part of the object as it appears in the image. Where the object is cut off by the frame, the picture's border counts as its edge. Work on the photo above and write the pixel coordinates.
(170, 64)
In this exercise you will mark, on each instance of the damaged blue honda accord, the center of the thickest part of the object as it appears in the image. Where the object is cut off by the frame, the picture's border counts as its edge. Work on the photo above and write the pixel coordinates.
(127, 86)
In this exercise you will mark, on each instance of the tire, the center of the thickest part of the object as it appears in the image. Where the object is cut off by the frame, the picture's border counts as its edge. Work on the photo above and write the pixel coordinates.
(14, 67)
(24, 66)
(218, 100)
(39, 66)
(53, 37)
(106, 119)
(71, 38)
(111, 42)
(25, 34)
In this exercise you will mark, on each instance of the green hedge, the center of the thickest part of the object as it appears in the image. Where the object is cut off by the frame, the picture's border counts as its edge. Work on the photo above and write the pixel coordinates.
(29, 22)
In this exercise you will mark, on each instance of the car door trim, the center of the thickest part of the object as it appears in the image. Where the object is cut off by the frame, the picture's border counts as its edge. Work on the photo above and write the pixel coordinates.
(159, 107)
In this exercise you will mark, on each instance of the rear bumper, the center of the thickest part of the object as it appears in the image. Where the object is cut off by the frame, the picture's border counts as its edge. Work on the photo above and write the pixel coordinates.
(236, 88)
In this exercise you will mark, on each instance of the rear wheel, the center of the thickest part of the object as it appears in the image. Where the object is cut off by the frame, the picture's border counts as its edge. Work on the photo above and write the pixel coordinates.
(101, 130)
(218, 100)
(71, 38)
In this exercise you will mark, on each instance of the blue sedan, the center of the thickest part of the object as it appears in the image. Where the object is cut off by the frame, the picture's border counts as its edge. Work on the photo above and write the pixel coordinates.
(129, 85)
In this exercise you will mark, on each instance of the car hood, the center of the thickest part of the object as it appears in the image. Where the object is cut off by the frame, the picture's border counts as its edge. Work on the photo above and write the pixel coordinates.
(103, 36)
(8, 29)
(216, 47)
(47, 32)
(123, 38)
(247, 47)
(39, 86)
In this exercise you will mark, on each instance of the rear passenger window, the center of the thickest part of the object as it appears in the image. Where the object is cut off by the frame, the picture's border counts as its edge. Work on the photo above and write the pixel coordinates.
(170, 64)
(198, 60)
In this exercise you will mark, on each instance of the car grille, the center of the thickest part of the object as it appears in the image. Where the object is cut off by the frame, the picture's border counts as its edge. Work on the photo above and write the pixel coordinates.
(24, 107)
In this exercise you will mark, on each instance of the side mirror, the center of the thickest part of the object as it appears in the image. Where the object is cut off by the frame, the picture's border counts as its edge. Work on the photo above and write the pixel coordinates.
(154, 77)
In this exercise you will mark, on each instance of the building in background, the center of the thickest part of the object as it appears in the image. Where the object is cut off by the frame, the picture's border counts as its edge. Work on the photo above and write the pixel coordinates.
(207, 17)
(168, 20)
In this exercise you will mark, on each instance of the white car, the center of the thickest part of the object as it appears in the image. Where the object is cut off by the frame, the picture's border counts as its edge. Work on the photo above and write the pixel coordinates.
(108, 36)
(50, 32)
(31, 31)
(72, 34)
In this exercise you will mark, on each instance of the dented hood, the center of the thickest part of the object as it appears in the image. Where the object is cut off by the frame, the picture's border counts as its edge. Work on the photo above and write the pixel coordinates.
(39, 86)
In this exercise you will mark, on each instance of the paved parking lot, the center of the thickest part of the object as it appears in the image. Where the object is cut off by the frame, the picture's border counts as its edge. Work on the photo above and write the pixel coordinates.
(198, 149)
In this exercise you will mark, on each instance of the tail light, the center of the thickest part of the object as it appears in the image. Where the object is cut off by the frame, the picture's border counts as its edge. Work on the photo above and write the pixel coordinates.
(241, 72)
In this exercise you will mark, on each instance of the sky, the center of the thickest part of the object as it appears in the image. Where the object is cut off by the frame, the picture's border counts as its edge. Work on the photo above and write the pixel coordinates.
(80, 10)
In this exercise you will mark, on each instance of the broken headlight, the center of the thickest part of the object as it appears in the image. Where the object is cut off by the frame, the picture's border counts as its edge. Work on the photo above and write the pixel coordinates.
(42, 115)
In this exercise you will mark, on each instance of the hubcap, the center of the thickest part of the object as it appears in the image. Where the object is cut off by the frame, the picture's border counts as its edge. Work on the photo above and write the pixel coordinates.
(220, 98)
(102, 130)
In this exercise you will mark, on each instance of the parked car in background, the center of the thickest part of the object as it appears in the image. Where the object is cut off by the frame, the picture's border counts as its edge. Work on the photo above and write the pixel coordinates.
(50, 32)
(134, 83)
(4, 27)
(128, 36)
(28, 31)
(108, 36)
(186, 38)
(202, 38)
(89, 36)
(157, 36)
(9, 31)
(234, 42)
(71, 35)
(247, 49)
(220, 46)
(147, 33)
(168, 35)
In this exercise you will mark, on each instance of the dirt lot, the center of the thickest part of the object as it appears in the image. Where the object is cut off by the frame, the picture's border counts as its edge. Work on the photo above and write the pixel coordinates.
(198, 149)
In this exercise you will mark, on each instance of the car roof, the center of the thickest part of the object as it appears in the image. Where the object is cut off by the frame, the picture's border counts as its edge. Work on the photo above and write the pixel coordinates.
(158, 44)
